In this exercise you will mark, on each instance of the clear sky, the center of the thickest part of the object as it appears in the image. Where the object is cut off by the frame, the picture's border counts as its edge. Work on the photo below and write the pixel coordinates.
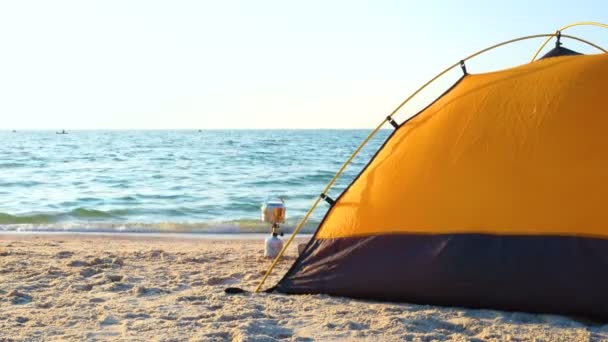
(251, 64)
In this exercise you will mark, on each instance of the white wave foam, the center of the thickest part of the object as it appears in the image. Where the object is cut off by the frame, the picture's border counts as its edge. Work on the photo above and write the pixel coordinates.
(233, 227)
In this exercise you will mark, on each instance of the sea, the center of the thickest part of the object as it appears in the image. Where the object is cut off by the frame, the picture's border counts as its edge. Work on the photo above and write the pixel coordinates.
(170, 181)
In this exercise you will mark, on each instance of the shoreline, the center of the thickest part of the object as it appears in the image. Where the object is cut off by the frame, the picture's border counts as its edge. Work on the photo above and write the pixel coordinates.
(143, 235)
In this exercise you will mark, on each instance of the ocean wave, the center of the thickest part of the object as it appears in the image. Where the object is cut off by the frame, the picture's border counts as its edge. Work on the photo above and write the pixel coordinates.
(90, 213)
(31, 219)
(11, 165)
(161, 196)
(42, 218)
(319, 176)
(196, 182)
(220, 227)
(25, 184)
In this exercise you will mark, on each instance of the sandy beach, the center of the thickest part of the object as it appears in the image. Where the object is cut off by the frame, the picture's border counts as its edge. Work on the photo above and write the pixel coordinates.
(87, 287)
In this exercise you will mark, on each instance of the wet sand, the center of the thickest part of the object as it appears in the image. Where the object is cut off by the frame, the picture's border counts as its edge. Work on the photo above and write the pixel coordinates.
(76, 287)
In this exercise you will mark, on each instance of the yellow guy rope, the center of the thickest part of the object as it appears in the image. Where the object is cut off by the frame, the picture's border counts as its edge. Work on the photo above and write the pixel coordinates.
(316, 203)
(373, 133)
(582, 23)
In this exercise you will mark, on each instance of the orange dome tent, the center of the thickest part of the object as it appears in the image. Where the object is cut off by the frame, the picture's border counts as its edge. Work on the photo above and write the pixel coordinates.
(493, 196)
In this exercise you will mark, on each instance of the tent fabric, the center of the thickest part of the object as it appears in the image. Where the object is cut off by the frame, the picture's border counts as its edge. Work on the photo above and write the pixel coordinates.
(560, 51)
(493, 196)
(552, 274)
(521, 151)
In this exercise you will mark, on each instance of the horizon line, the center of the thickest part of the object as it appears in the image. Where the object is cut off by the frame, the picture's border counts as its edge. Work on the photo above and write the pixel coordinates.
(185, 129)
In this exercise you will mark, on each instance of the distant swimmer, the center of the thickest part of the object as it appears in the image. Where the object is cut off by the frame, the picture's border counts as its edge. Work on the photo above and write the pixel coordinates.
(62, 132)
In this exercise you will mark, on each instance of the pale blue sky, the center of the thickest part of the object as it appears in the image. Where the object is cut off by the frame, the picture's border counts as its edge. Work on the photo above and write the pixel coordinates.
(251, 64)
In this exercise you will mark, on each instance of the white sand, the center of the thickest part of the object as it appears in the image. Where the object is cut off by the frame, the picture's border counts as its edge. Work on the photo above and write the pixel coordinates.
(110, 288)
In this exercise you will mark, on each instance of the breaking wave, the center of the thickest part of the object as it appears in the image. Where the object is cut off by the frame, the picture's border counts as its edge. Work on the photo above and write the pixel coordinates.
(65, 223)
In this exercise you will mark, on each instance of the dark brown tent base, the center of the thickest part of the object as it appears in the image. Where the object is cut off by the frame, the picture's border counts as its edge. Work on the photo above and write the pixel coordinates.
(522, 273)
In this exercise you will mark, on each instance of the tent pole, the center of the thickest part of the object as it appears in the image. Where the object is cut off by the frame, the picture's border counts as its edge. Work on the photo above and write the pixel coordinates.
(550, 35)
(373, 133)
(581, 23)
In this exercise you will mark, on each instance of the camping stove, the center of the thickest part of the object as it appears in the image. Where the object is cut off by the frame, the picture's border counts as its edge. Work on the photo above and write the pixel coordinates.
(273, 212)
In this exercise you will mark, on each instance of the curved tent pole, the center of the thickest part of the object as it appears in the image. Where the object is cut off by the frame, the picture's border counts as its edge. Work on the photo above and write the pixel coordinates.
(375, 131)
(581, 23)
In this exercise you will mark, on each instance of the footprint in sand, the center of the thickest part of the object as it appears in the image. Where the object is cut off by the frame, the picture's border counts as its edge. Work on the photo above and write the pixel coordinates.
(191, 298)
(148, 291)
(196, 260)
(44, 305)
(55, 271)
(117, 287)
(88, 272)
(81, 287)
(78, 263)
(155, 253)
(21, 319)
(223, 280)
(252, 276)
(214, 307)
(64, 254)
(108, 320)
(19, 297)
(114, 277)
